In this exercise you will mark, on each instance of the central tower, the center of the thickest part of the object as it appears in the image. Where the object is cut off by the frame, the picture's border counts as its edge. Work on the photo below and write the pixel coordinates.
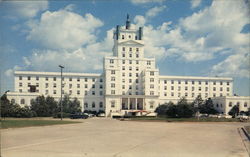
(127, 72)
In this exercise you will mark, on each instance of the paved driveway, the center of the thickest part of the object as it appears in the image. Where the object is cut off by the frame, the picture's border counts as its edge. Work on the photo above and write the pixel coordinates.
(106, 137)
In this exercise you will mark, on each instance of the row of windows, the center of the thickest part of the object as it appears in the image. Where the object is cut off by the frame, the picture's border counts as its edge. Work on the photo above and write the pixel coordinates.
(230, 104)
(193, 82)
(78, 92)
(93, 105)
(130, 62)
(54, 79)
(130, 49)
(130, 68)
(172, 94)
(55, 85)
(199, 88)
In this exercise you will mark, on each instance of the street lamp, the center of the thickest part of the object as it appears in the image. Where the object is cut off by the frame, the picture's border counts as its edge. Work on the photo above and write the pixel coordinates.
(61, 91)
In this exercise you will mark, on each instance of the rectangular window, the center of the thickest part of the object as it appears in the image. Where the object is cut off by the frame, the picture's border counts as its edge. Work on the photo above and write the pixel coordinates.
(130, 74)
(130, 49)
(111, 61)
(151, 79)
(101, 92)
(148, 63)
(28, 77)
(214, 89)
(165, 81)
(54, 78)
(221, 89)
(93, 92)
(137, 49)
(101, 80)
(137, 62)
(54, 92)
(228, 83)
(86, 86)
(123, 67)
(70, 79)
(137, 55)
(46, 85)
(206, 82)
(221, 83)
(78, 92)
(54, 85)
(86, 79)
(85, 92)
(123, 55)
(214, 82)
(112, 85)
(93, 85)
(137, 68)
(93, 79)
(78, 79)
(172, 81)
(192, 82)
(100, 86)
(151, 86)
(112, 71)
(199, 88)
(20, 77)
(151, 73)
(20, 84)
(151, 92)
(78, 85)
(123, 61)
(179, 82)
(172, 87)
(112, 91)
(130, 61)
(186, 88)
(46, 78)
(130, 68)
(123, 48)
(70, 85)
(37, 78)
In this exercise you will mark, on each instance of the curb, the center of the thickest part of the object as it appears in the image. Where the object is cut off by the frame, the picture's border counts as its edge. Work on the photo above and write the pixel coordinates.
(245, 132)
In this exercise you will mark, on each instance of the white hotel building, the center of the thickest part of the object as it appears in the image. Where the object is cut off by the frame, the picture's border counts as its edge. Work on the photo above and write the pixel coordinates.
(129, 82)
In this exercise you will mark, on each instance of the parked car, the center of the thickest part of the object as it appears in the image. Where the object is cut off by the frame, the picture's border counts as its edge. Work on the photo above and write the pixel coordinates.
(79, 116)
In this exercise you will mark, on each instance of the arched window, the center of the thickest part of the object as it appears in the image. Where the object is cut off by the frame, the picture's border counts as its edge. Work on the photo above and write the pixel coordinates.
(12, 101)
(245, 104)
(93, 104)
(22, 101)
(238, 104)
(230, 104)
(101, 104)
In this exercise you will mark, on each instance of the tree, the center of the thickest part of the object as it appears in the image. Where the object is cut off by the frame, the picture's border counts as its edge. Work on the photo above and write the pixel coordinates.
(44, 107)
(234, 111)
(71, 106)
(197, 103)
(162, 110)
(5, 106)
(208, 107)
(184, 109)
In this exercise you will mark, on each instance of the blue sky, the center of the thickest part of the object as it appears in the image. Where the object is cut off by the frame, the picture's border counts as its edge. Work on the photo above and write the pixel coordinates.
(190, 38)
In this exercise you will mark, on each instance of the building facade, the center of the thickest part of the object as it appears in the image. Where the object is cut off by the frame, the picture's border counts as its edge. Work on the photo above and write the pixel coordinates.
(226, 103)
(130, 82)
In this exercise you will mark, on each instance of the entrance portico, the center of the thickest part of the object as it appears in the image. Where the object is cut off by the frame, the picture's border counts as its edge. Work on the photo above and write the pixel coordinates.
(133, 103)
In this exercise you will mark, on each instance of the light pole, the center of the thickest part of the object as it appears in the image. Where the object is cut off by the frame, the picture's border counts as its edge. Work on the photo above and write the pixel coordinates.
(61, 91)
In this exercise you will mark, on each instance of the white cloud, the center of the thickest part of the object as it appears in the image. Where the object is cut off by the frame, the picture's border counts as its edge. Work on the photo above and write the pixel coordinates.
(142, 20)
(155, 11)
(64, 30)
(146, 1)
(85, 58)
(195, 3)
(26, 9)
(234, 65)
(10, 72)
(215, 30)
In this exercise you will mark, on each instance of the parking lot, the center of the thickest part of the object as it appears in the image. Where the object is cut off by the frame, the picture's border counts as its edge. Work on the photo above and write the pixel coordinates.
(108, 137)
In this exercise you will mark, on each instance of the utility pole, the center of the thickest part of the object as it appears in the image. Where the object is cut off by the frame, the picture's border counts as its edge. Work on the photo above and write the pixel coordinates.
(61, 92)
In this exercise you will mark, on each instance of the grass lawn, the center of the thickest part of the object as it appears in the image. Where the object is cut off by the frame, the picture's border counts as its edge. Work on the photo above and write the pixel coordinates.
(17, 123)
(184, 119)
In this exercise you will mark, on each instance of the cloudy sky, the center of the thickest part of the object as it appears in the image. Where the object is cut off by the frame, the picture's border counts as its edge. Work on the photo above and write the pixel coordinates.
(187, 38)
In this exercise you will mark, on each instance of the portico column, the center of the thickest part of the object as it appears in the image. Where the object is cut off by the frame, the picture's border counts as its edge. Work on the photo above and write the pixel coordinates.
(128, 103)
(143, 104)
(135, 103)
